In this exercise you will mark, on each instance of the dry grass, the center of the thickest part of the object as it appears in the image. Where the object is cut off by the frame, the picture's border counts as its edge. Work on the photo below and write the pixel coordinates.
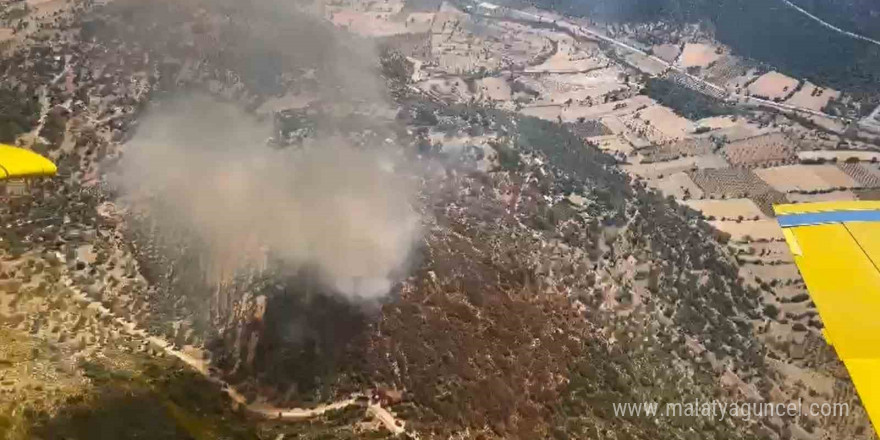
(645, 64)
(569, 57)
(677, 185)
(813, 97)
(666, 52)
(746, 231)
(658, 124)
(718, 122)
(806, 178)
(377, 24)
(698, 55)
(576, 89)
(833, 196)
(768, 272)
(731, 209)
(773, 85)
(494, 89)
(742, 130)
(571, 113)
(774, 251)
(659, 169)
(612, 143)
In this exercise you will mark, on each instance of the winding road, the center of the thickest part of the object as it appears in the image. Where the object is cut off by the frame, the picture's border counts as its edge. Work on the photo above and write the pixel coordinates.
(829, 25)
(259, 410)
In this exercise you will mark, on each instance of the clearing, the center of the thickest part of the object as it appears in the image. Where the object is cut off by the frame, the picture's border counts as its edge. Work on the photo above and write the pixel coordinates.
(806, 178)
(730, 209)
(773, 86)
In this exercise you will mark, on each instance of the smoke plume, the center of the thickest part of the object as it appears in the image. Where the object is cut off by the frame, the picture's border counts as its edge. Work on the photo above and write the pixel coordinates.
(203, 165)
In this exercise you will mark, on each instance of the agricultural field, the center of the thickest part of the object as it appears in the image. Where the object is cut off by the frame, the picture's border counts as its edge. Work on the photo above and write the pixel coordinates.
(570, 57)
(667, 52)
(493, 89)
(813, 97)
(378, 20)
(738, 183)
(761, 151)
(449, 87)
(768, 252)
(867, 175)
(677, 185)
(773, 85)
(45, 8)
(839, 155)
(614, 124)
(867, 194)
(699, 55)
(677, 149)
(567, 89)
(589, 128)
(740, 129)
(730, 209)
(717, 122)
(783, 272)
(833, 196)
(456, 48)
(724, 70)
(659, 169)
(739, 82)
(658, 124)
(612, 144)
(806, 178)
(729, 182)
(748, 231)
(645, 64)
(576, 111)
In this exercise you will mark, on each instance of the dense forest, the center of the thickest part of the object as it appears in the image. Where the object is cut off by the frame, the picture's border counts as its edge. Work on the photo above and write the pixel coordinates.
(859, 16)
(765, 30)
(684, 101)
(18, 113)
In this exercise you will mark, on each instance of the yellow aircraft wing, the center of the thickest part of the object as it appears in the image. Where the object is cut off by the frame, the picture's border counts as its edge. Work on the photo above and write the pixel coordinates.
(20, 163)
(836, 246)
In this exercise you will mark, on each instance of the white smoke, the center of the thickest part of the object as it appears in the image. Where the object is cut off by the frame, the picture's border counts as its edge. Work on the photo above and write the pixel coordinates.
(204, 165)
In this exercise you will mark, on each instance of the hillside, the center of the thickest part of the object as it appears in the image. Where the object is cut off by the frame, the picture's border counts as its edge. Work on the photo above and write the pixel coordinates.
(545, 285)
